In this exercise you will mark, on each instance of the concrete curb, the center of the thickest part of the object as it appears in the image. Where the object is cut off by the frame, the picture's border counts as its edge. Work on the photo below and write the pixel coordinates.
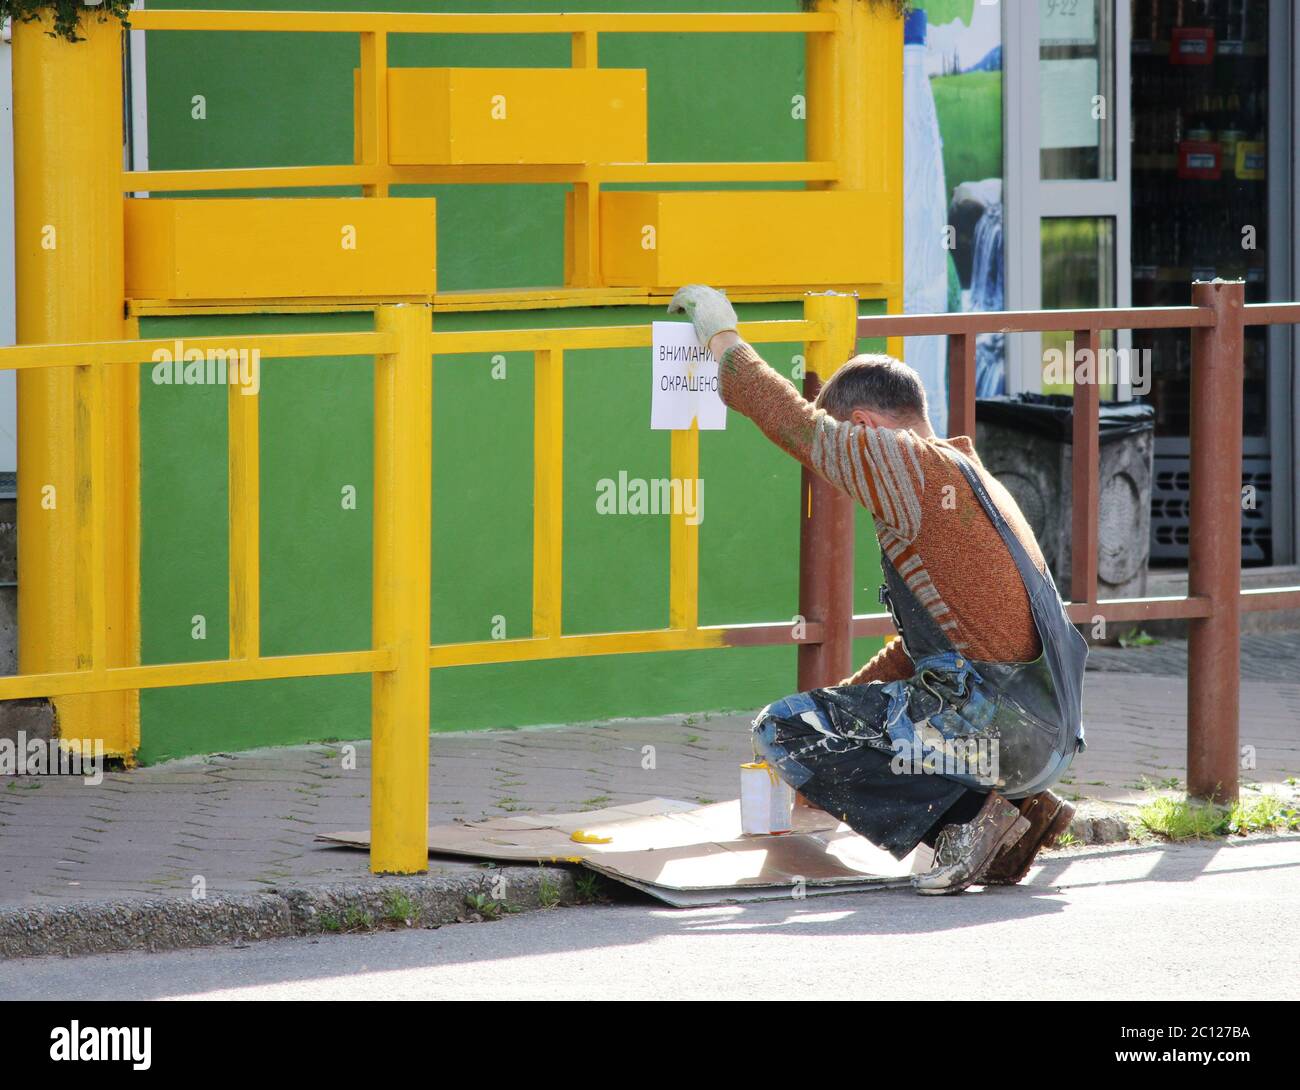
(1101, 823)
(101, 927)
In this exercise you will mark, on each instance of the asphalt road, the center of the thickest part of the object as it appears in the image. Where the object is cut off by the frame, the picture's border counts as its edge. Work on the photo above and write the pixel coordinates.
(1187, 922)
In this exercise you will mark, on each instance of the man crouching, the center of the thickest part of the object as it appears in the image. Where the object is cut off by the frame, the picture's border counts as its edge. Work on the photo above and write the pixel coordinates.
(978, 703)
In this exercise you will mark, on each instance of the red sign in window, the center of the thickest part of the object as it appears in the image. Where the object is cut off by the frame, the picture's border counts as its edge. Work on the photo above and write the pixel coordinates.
(1199, 159)
(1191, 45)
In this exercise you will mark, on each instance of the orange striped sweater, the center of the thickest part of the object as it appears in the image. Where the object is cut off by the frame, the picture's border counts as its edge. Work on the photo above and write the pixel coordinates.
(927, 519)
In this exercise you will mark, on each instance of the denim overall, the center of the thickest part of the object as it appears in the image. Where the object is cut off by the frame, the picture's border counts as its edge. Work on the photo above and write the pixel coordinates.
(831, 743)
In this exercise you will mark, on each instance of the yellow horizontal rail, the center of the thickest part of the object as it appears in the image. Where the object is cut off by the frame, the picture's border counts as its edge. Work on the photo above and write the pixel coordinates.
(123, 678)
(615, 336)
(345, 22)
(363, 174)
(273, 346)
(695, 638)
(603, 643)
(311, 345)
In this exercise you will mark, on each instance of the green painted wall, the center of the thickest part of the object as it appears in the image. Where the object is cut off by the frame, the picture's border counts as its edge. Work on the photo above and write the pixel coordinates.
(288, 100)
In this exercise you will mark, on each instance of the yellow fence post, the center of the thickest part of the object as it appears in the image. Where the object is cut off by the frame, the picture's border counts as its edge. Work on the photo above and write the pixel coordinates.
(400, 610)
(855, 118)
(244, 520)
(548, 493)
(372, 118)
(586, 191)
(69, 262)
(684, 536)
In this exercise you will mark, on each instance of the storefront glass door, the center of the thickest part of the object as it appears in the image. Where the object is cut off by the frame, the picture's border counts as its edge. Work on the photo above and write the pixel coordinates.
(1201, 101)
(1151, 143)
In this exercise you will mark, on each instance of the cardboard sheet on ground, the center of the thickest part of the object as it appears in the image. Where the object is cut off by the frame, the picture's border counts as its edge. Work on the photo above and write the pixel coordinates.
(679, 852)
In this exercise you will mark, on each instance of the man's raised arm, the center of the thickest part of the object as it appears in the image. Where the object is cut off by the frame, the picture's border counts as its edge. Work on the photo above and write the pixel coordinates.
(877, 467)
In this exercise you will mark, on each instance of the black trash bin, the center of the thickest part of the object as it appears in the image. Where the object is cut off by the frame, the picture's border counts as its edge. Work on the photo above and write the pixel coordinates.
(1026, 442)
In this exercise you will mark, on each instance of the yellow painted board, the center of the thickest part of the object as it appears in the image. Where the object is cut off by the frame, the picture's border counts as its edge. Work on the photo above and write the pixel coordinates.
(516, 115)
(744, 238)
(259, 248)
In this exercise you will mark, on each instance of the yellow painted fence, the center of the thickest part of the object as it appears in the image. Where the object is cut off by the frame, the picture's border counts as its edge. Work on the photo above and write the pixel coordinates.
(402, 347)
(78, 398)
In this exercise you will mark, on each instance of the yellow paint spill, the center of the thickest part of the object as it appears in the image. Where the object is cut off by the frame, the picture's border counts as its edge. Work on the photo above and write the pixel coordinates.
(581, 836)
(771, 772)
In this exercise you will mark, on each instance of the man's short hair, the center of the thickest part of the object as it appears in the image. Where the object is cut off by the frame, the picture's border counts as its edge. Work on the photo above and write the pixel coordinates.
(877, 383)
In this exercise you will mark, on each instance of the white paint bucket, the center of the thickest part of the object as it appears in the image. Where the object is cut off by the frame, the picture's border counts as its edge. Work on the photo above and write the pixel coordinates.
(766, 800)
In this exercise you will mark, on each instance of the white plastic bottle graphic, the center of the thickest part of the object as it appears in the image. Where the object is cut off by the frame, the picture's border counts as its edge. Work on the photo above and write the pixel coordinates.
(925, 216)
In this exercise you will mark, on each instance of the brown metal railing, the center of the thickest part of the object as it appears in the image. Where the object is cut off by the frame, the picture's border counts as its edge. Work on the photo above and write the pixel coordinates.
(1214, 600)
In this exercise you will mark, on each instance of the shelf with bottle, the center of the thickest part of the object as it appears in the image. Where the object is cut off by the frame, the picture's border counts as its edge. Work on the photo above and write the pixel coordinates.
(1200, 129)
(1230, 27)
(1244, 162)
(1230, 48)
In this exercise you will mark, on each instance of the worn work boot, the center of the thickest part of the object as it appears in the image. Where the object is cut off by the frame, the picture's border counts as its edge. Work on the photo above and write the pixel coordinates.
(962, 852)
(1049, 817)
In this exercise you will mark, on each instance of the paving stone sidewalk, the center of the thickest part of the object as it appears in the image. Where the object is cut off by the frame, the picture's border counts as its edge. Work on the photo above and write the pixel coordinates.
(245, 823)
(1265, 656)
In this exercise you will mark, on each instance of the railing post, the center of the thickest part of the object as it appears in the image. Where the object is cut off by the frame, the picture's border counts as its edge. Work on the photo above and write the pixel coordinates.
(400, 607)
(855, 110)
(961, 384)
(69, 261)
(1085, 468)
(1214, 564)
(826, 516)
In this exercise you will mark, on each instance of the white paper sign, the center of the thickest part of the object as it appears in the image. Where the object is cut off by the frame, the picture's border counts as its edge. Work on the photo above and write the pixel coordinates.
(685, 381)
(1066, 90)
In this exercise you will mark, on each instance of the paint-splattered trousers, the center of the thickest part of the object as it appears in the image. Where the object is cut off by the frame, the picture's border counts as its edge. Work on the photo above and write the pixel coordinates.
(847, 766)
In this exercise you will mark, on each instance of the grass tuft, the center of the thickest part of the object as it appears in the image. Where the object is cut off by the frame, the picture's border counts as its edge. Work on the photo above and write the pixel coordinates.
(548, 891)
(1267, 812)
(399, 908)
(1187, 819)
(589, 888)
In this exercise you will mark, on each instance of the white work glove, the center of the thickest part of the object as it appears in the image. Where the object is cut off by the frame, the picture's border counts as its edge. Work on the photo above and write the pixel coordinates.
(708, 310)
